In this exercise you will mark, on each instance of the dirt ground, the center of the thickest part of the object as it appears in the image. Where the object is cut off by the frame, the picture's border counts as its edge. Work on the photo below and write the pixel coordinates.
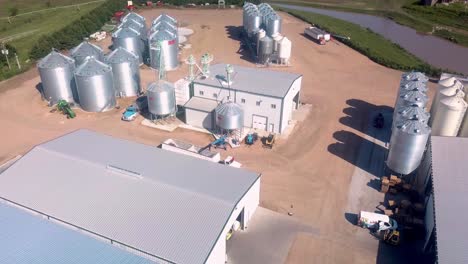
(301, 175)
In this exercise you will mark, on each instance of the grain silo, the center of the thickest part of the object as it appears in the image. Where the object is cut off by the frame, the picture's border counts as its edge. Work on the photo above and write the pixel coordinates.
(411, 112)
(164, 44)
(407, 98)
(94, 83)
(273, 24)
(164, 17)
(413, 76)
(86, 49)
(265, 49)
(463, 132)
(161, 99)
(138, 26)
(449, 115)
(57, 79)
(229, 116)
(134, 16)
(407, 146)
(130, 40)
(446, 82)
(284, 50)
(125, 71)
(444, 92)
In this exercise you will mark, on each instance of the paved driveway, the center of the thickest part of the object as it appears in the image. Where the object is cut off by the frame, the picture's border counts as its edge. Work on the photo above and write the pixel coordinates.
(267, 240)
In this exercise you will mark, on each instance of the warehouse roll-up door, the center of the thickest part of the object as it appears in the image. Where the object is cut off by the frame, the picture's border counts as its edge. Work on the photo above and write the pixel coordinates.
(259, 122)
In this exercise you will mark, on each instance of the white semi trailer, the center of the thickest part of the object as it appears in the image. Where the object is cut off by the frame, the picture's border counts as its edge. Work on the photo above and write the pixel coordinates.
(317, 34)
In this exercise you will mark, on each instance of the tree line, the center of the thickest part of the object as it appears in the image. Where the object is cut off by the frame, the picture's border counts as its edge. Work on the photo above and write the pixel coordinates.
(72, 34)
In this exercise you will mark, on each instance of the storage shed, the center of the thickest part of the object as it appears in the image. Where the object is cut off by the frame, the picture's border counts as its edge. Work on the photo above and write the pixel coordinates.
(442, 177)
(137, 197)
(268, 98)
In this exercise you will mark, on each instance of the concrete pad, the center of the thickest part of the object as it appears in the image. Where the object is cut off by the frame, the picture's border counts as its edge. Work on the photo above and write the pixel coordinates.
(267, 240)
(194, 128)
(165, 125)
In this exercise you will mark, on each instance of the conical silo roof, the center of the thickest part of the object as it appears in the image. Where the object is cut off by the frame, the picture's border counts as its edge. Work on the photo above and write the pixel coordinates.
(448, 81)
(86, 48)
(414, 86)
(414, 76)
(229, 109)
(161, 36)
(125, 32)
(92, 67)
(120, 55)
(55, 59)
(160, 86)
(135, 25)
(165, 17)
(413, 126)
(414, 97)
(135, 16)
(413, 111)
(452, 89)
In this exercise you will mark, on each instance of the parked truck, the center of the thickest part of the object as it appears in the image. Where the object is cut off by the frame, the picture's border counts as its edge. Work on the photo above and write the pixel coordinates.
(317, 34)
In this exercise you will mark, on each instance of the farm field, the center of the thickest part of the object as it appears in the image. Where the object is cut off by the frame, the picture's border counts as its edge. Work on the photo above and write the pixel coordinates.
(23, 31)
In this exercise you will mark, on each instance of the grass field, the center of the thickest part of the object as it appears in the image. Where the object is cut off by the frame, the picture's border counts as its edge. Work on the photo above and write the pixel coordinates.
(449, 22)
(25, 6)
(374, 46)
(23, 31)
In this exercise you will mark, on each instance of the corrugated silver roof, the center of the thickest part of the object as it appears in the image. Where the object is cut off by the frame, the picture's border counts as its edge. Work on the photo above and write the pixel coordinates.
(229, 109)
(54, 60)
(92, 67)
(450, 185)
(414, 126)
(133, 15)
(252, 80)
(30, 239)
(120, 55)
(135, 194)
(86, 48)
(126, 32)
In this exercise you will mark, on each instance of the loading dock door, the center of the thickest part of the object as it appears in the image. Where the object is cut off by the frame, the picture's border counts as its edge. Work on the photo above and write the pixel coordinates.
(259, 122)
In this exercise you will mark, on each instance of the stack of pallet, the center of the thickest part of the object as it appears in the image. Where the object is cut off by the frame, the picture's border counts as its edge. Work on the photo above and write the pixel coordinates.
(394, 182)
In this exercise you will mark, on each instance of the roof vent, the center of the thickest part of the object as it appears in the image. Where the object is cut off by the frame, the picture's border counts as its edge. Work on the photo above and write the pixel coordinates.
(124, 172)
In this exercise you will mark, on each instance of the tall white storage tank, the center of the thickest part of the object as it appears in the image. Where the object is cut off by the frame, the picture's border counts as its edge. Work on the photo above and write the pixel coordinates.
(464, 128)
(444, 92)
(284, 50)
(449, 116)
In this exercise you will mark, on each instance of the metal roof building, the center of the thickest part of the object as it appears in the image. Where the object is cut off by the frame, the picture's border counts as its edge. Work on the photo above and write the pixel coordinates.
(252, 80)
(446, 214)
(29, 239)
(136, 196)
(267, 97)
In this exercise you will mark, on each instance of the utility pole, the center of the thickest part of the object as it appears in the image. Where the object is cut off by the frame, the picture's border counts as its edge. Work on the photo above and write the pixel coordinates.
(5, 52)
(17, 61)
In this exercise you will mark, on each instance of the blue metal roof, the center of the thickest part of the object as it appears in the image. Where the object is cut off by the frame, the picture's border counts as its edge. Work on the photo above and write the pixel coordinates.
(29, 239)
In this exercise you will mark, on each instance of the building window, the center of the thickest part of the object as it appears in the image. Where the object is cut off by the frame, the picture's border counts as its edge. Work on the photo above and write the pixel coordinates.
(273, 106)
(243, 100)
(258, 103)
(215, 95)
(200, 92)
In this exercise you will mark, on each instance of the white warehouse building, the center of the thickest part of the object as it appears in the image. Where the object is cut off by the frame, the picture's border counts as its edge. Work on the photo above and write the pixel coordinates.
(132, 196)
(268, 98)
